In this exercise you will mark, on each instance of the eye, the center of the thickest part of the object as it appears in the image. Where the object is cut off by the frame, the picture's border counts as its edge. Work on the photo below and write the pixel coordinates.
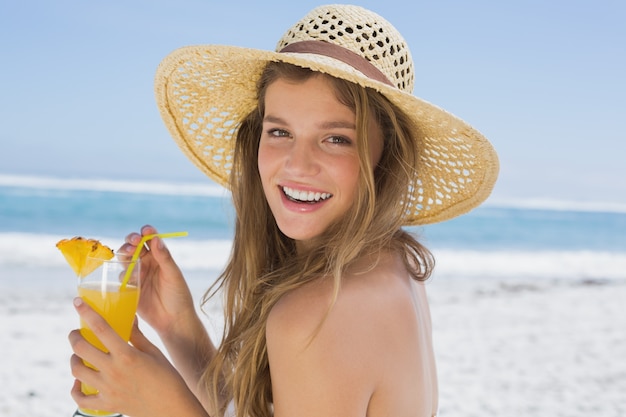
(278, 133)
(339, 140)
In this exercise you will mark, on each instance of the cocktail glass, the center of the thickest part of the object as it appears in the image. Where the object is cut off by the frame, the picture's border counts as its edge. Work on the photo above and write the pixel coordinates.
(113, 291)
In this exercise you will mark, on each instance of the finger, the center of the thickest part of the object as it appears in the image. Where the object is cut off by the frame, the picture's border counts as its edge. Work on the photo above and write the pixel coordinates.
(82, 400)
(148, 230)
(76, 387)
(130, 242)
(132, 238)
(83, 372)
(127, 248)
(100, 328)
(162, 256)
(77, 393)
(83, 349)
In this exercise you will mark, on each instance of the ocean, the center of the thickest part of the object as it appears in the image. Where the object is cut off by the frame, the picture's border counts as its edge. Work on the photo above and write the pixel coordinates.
(526, 297)
(528, 241)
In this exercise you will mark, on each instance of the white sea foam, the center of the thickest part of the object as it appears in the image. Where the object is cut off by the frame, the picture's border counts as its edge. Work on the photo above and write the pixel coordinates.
(531, 265)
(39, 251)
(121, 186)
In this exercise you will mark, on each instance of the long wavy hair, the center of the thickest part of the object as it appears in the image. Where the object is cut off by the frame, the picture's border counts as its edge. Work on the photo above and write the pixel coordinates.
(264, 264)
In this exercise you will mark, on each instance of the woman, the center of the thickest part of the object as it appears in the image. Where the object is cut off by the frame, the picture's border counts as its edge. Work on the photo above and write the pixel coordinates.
(325, 307)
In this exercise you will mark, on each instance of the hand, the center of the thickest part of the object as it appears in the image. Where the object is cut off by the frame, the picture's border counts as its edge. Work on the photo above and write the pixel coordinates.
(135, 380)
(165, 297)
(166, 304)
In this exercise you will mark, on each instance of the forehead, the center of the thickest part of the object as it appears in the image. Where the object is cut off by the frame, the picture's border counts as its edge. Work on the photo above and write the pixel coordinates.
(311, 98)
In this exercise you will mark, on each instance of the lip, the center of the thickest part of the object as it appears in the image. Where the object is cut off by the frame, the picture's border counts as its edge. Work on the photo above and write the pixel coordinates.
(304, 207)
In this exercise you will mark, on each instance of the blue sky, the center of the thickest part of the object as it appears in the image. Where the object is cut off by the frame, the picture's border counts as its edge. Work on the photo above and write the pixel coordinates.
(543, 80)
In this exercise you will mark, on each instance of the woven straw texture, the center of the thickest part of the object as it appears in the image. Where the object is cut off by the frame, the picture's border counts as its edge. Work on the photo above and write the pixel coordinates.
(203, 92)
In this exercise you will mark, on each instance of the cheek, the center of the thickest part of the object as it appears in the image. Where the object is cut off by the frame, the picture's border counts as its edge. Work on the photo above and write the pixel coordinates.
(346, 174)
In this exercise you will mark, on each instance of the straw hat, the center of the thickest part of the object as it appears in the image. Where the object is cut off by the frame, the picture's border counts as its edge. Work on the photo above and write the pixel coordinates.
(203, 92)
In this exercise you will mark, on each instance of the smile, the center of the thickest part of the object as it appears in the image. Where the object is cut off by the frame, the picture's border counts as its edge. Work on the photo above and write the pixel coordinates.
(305, 196)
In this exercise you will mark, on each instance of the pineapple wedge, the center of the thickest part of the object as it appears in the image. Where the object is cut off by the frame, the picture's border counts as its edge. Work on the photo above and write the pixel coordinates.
(80, 252)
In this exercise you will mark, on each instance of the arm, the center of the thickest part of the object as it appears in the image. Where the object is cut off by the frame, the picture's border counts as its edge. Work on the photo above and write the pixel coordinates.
(166, 304)
(190, 348)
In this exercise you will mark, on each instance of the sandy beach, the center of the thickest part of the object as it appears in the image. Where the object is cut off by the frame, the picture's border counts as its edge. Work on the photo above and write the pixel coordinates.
(550, 349)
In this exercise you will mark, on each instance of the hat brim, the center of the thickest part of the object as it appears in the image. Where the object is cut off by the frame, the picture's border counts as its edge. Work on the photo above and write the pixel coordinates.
(203, 93)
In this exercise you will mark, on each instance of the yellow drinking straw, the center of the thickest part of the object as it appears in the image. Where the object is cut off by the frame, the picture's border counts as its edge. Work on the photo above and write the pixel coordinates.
(143, 240)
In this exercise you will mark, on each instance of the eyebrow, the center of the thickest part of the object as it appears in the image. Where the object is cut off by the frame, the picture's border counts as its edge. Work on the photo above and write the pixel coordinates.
(333, 124)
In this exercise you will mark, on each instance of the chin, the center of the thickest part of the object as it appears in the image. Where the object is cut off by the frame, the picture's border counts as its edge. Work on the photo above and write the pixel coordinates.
(299, 234)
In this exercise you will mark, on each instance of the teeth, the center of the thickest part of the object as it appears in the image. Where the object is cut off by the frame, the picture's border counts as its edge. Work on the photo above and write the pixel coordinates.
(309, 196)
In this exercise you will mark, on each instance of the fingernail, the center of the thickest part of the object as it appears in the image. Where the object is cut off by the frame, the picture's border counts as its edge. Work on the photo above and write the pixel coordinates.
(160, 243)
(78, 302)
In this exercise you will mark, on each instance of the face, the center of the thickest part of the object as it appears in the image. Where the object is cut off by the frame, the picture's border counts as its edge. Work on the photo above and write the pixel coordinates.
(308, 158)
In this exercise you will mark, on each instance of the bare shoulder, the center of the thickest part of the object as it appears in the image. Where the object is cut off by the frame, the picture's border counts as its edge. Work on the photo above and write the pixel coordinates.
(349, 352)
(370, 301)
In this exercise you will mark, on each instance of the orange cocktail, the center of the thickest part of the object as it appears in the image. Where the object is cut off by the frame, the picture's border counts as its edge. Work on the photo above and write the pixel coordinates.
(118, 307)
(115, 302)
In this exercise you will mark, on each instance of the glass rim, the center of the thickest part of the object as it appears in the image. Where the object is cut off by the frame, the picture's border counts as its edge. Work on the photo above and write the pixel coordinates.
(118, 257)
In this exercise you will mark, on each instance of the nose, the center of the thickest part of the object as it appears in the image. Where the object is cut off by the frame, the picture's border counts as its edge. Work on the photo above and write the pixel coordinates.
(302, 159)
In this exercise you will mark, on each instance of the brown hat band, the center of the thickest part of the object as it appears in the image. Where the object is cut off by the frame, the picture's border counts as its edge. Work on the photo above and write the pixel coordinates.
(339, 53)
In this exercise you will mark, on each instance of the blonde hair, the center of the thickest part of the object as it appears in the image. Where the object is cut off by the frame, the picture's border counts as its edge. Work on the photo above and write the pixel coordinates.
(264, 264)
